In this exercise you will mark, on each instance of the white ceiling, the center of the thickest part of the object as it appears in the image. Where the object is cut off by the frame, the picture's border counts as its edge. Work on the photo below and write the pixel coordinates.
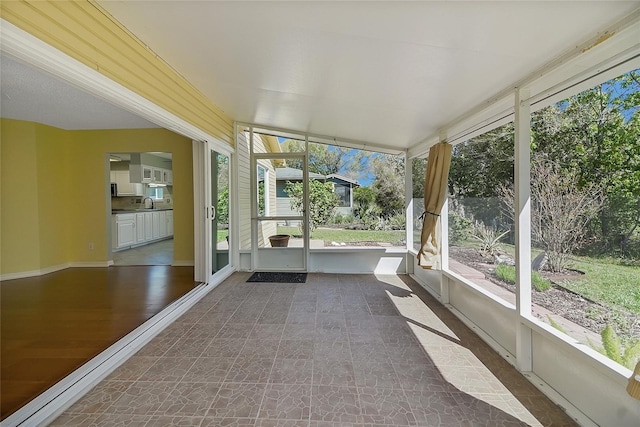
(384, 73)
(388, 73)
(27, 93)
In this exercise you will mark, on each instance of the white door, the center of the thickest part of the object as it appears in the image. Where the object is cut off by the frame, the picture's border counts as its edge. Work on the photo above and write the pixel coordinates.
(279, 185)
(217, 212)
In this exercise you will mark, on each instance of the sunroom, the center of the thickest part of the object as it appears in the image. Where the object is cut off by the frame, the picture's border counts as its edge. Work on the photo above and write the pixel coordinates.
(396, 79)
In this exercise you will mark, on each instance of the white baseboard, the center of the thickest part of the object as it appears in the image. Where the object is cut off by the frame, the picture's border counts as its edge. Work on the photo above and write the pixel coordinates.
(33, 273)
(54, 268)
(90, 264)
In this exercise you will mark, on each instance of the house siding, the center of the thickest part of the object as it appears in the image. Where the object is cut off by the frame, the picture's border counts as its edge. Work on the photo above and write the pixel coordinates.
(244, 190)
(87, 33)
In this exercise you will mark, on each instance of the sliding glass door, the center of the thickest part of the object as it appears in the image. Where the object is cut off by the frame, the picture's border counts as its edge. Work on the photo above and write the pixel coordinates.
(217, 214)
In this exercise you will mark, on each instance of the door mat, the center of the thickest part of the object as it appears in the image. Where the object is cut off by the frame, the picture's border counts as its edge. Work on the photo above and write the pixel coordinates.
(277, 277)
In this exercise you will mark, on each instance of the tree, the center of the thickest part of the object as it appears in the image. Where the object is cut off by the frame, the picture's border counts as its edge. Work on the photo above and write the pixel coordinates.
(388, 184)
(322, 201)
(595, 135)
(481, 165)
(418, 172)
(560, 210)
(326, 159)
(364, 203)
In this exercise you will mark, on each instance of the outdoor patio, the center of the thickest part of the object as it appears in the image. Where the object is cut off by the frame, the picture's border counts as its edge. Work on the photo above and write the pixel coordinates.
(338, 350)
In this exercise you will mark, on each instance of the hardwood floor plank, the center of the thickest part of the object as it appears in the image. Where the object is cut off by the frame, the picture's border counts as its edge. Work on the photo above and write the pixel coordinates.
(52, 324)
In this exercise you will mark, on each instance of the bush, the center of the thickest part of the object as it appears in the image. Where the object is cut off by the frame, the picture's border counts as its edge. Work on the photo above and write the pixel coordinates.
(396, 222)
(488, 237)
(340, 219)
(460, 228)
(613, 349)
(507, 274)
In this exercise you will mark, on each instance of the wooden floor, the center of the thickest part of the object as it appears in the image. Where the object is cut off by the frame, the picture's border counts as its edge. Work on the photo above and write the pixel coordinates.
(53, 324)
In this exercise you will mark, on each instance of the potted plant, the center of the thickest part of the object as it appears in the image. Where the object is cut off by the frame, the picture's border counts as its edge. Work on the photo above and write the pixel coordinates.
(279, 240)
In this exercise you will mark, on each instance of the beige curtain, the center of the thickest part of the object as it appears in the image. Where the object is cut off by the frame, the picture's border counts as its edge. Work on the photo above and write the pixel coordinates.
(435, 189)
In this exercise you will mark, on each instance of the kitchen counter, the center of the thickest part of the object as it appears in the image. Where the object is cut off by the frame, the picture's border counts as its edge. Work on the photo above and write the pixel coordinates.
(125, 211)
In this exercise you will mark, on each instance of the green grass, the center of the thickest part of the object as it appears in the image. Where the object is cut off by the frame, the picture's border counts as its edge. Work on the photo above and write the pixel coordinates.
(349, 236)
(606, 280)
(508, 274)
(222, 235)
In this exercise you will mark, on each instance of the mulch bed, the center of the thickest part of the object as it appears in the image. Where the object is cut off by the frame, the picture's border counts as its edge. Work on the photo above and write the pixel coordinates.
(559, 300)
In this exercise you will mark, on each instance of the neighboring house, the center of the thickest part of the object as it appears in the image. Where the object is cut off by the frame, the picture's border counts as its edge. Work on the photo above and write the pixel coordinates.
(342, 186)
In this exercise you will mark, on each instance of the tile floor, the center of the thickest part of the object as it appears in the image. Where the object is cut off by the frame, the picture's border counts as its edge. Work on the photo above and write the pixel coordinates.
(339, 350)
(159, 253)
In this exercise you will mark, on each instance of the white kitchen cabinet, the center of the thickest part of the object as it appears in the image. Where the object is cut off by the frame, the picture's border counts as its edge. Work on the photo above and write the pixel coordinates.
(140, 231)
(156, 225)
(150, 174)
(148, 226)
(163, 223)
(125, 230)
(125, 186)
(169, 215)
(157, 176)
(141, 173)
(167, 177)
(140, 228)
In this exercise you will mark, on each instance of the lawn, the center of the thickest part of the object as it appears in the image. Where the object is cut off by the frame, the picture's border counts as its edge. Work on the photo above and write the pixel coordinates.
(605, 280)
(608, 282)
(395, 237)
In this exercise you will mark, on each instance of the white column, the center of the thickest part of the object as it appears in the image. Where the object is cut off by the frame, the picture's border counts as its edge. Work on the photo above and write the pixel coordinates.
(408, 195)
(444, 250)
(523, 227)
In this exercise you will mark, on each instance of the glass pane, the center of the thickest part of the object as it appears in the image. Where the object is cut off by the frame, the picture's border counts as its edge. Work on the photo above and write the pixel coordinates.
(419, 169)
(481, 227)
(279, 188)
(280, 234)
(220, 201)
(222, 216)
(356, 198)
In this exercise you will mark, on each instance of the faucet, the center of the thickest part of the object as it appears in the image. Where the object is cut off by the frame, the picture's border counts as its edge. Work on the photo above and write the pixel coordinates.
(145, 199)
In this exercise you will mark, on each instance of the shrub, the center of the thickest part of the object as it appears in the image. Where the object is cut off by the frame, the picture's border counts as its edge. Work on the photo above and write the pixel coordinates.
(322, 201)
(626, 356)
(507, 274)
(488, 237)
(460, 228)
(396, 222)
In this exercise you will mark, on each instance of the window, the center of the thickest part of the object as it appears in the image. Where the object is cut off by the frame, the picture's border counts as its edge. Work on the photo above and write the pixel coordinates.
(419, 168)
(263, 197)
(344, 193)
(156, 193)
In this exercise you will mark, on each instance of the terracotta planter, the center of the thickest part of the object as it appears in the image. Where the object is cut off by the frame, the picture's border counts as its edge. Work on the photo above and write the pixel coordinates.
(279, 240)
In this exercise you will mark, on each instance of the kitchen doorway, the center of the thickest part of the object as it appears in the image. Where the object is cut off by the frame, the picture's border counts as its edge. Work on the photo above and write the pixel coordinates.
(141, 208)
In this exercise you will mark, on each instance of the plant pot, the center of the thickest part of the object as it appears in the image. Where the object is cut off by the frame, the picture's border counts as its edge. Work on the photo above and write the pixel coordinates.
(279, 240)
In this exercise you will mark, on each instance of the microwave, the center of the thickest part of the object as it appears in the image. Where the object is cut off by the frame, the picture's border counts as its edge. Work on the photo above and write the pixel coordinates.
(114, 189)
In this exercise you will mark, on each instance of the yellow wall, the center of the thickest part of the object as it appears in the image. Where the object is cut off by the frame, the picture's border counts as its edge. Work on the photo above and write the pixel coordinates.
(87, 33)
(54, 192)
(52, 146)
(19, 225)
(89, 150)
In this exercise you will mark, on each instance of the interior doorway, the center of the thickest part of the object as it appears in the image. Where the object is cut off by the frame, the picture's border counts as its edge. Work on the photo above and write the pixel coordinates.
(141, 204)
